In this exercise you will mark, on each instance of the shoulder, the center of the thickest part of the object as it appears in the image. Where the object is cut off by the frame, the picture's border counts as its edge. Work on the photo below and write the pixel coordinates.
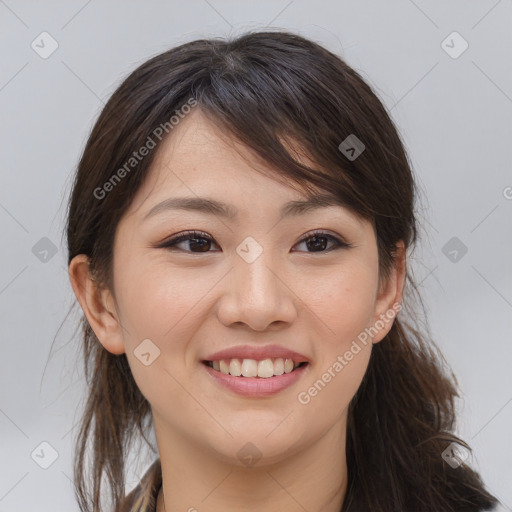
(143, 497)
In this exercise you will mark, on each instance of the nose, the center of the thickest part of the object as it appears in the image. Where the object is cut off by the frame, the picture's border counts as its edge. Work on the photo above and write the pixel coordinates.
(258, 295)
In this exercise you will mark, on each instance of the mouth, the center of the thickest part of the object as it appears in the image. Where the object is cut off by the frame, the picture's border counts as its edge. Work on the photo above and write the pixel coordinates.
(253, 378)
(253, 368)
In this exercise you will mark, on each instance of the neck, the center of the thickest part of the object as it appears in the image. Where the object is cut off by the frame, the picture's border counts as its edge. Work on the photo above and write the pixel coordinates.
(314, 478)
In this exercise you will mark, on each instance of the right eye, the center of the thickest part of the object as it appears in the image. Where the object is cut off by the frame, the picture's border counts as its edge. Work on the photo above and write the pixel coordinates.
(196, 240)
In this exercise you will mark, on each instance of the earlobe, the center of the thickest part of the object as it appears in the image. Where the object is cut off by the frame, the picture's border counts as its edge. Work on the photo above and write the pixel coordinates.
(389, 298)
(97, 304)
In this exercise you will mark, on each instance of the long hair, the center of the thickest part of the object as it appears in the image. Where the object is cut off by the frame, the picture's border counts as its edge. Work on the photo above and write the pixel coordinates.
(282, 96)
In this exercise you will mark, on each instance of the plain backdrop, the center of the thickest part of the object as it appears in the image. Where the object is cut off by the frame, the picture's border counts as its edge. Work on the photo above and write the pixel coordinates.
(441, 70)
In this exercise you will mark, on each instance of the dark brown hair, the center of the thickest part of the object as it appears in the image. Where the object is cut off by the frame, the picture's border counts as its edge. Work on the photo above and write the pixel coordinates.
(273, 91)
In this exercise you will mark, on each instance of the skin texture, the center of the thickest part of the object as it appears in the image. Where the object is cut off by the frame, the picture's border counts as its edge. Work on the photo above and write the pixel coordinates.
(191, 303)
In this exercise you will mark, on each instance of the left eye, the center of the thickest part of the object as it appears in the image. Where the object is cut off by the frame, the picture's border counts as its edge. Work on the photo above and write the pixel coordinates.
(201, 241)
(319, 241)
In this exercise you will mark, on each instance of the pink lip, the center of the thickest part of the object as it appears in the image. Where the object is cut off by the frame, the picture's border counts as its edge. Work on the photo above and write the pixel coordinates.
(258, 353)
(256, 387)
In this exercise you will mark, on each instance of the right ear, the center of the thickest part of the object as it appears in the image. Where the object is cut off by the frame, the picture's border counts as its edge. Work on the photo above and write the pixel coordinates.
(97, 304)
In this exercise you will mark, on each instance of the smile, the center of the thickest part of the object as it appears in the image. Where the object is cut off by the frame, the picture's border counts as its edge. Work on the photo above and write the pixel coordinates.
(276, 375)
(265, 368)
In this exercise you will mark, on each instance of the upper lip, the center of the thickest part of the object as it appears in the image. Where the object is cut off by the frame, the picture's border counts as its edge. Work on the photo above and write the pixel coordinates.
(258, 353)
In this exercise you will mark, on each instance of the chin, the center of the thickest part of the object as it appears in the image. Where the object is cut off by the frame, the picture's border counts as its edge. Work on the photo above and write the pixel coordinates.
(255, 447)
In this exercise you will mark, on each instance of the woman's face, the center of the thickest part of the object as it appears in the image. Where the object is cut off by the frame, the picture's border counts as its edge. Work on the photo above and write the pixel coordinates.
(249, 284)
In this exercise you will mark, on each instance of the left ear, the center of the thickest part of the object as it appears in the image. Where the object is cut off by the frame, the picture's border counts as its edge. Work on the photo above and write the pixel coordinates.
(389, 296)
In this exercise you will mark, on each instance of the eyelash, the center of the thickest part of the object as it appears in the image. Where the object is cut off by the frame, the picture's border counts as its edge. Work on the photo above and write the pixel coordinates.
(188, 235)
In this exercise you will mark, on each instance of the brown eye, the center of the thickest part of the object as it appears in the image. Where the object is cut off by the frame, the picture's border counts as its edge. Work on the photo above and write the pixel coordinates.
(318, 242)
(200, 242)
(197, 242)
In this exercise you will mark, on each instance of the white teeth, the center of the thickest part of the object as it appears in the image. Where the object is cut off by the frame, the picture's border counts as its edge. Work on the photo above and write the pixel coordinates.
(288, 366)
(279, 366)
(265, 368)
(224, 368)
(235, 367)
(249, 368)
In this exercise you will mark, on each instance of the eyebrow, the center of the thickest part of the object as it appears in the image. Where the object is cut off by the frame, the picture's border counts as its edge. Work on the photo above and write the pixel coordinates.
(213, 207)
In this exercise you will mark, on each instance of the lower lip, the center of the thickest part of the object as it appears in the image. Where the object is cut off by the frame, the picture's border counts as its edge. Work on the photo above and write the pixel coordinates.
(256, 387)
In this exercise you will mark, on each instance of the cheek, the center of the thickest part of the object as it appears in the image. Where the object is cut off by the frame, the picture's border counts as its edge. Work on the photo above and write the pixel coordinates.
(343, 302)
(158, 303)
(331, 387)
(344, 306)
(161, 306)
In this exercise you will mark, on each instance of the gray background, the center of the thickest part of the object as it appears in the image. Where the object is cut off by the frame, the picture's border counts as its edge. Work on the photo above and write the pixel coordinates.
(454, 116)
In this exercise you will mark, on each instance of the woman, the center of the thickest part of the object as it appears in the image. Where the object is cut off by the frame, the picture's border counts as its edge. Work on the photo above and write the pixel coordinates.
(237, 237)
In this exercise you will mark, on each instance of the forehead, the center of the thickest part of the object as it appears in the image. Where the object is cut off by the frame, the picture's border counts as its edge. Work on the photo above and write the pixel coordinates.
(199, 167)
